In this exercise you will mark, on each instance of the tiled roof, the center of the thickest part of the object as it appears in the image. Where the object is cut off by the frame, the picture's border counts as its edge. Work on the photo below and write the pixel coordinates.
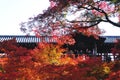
(27, 39)
(34, 39)
(111, 39)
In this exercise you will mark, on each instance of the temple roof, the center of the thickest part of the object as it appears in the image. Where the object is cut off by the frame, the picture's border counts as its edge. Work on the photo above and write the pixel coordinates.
(111, 39)
(27, 39)
(34, 39)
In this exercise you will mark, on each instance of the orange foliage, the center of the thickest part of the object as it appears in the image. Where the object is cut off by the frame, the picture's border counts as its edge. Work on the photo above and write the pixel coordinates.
(47, 53)
(45, 62)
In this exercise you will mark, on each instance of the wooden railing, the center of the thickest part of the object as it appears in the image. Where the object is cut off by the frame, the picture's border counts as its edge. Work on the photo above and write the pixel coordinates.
(105, 56)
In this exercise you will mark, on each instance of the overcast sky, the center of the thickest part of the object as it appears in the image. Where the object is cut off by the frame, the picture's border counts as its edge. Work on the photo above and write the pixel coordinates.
(13, 12)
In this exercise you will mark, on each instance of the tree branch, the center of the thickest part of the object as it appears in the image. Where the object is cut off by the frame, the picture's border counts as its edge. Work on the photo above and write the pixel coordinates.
(101, 11)
(106, 16)
(96, 22)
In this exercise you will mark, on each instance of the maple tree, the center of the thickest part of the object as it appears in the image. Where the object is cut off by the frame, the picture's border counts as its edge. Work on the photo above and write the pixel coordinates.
(45, 62)
(46, 53)
(64, 17)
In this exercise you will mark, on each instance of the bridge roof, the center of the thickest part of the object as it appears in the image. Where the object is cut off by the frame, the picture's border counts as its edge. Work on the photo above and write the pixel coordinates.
(34, 39)
(111, 39)
(26, 39)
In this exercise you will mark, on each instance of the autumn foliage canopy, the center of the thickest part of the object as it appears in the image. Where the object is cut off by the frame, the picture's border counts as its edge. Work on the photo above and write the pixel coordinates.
(47, 62)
